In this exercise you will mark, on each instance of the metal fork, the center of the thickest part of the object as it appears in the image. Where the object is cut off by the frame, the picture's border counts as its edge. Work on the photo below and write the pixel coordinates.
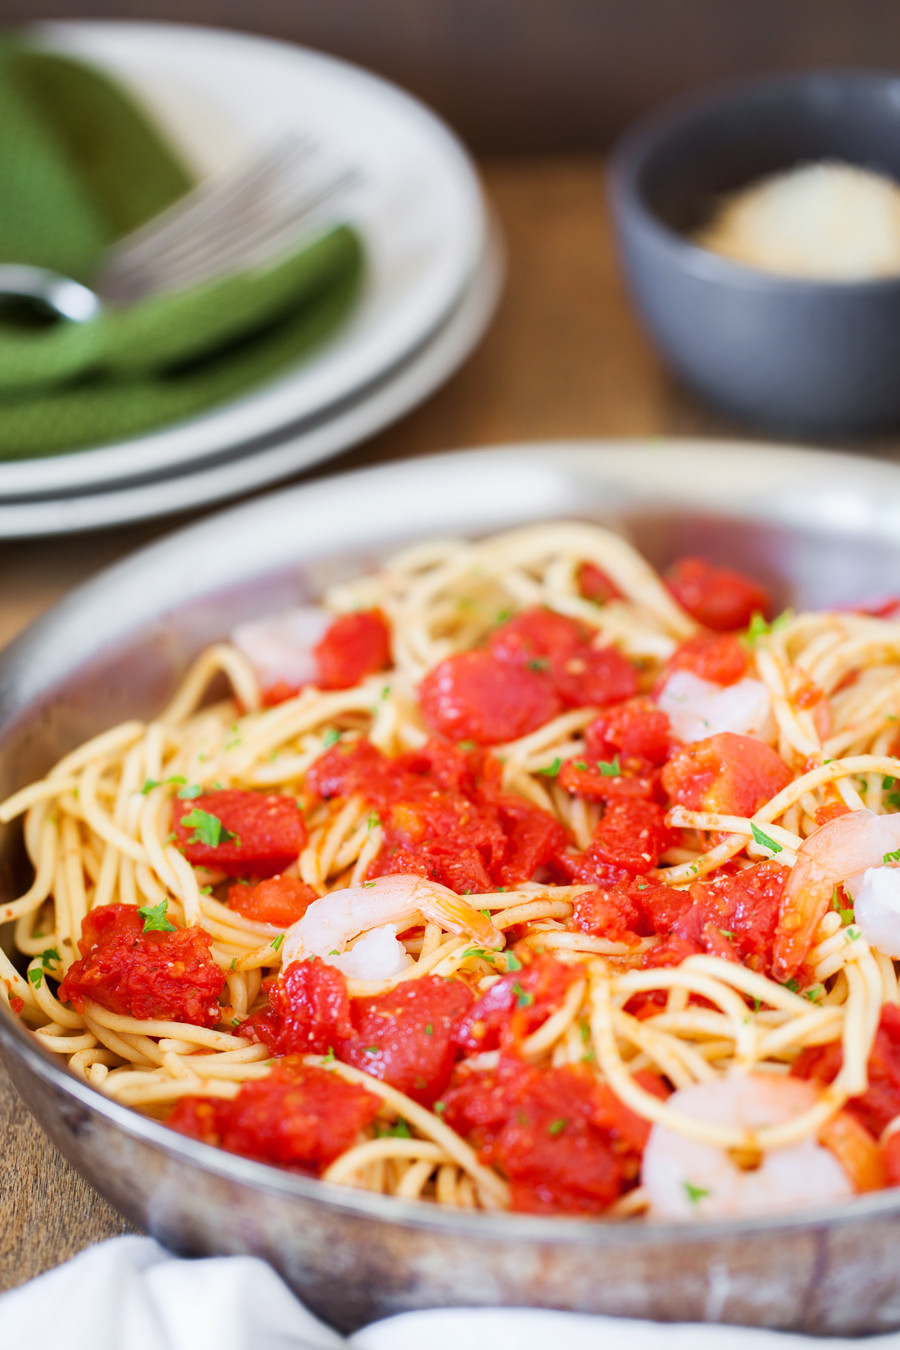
(232, 221)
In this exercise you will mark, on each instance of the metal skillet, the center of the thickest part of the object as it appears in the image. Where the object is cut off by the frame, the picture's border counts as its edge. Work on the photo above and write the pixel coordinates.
(823, 528)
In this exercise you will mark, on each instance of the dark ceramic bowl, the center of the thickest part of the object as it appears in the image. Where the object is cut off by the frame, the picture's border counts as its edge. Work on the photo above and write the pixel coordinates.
(800, 355)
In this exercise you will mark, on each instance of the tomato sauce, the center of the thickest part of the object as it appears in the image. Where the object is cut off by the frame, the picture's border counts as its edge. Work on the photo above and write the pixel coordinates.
(239, 833)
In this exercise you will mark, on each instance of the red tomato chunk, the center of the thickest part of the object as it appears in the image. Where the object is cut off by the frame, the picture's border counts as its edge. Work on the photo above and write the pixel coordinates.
(277, 900)
(637, 733)
(729, 774)
(239, 833)
(298, 1116)
(473, 696)
(516, 1005)
(444, 814)
(596, 585)
(157, 976)
(717, 597)
(734, 916)
(550, 1132)
(627, 842)
(717, 657)
(404, 1037)
(307, 1013)
(355, 645)
(582, 674)
(880, 1103)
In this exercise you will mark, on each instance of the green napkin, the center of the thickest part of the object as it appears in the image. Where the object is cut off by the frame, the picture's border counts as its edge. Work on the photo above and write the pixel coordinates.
(80, 166)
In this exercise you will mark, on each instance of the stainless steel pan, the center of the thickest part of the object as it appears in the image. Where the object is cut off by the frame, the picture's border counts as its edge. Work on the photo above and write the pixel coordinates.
(823, 528)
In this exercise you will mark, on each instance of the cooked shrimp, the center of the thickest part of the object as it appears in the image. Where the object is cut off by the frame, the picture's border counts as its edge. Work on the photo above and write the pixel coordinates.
(385, 906)
(279, 647)
(876, 909)
(687, 1179)
(697, 708)
(838, 853)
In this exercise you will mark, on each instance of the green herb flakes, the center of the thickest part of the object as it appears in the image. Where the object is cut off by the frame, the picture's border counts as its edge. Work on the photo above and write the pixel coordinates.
(764, 839)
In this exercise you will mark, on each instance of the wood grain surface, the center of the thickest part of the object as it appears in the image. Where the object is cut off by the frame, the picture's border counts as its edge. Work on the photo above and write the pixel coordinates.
(564, 358)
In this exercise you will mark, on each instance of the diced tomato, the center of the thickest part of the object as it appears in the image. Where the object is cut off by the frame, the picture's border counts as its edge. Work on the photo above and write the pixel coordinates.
(516, 1005)
(717, 597)
(880, 1103)
(595, 584)
(733, 915)
(279, 692)
(355, 645)
(631, 910)
(729, 774)
(532, 838)
(582, 674)
(473, 696)
(154, 976)
(444, 814)
(549, 1131)
(277, 900)
(632, 731)
(601, 781)
(537, 637)
(631, 835)
(298, 1116)
(823, 814)
(629, 1130)
(595, 676)
(258, 833)
(17, 1004)
(717, 657)
(406, 1037)
(308, 1011)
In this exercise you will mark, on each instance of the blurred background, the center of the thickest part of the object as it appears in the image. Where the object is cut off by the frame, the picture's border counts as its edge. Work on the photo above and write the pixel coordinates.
(519, 76)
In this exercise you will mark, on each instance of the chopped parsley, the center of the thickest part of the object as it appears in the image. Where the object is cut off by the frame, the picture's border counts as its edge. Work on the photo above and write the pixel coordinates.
(764, 839)
(372, 1049)
(851, 934)
(189, 791)
(557, 1126)
(151, 783)
(400, 1130)
(429, 1029)
(208, 829)
(610, 768)
(36, 977)
(330, 1057)
(206, 890)
(538, 663)
(49, 957)
(727, 933)
(439, 1108)
(551, 770)
(374, 820)
(759, 628)
(580, 765)
(892, 857)
(368, 883)
(512, 961)
(277, 941)
(524, 999)
(479, 951)
(467, 745)
(234, 963)
(154, 917)
(846, 915)
(502, 615)
(331, 735)
(695, 1193)
(793, 985)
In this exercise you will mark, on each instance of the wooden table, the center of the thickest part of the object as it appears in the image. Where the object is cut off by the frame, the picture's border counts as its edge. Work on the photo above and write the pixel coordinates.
(565, 357)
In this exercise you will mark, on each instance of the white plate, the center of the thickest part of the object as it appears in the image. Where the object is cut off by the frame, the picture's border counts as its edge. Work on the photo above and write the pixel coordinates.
(246, 469)
(221, 95)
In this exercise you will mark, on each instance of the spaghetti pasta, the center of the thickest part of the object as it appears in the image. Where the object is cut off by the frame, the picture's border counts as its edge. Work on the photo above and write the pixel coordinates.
(465, 921)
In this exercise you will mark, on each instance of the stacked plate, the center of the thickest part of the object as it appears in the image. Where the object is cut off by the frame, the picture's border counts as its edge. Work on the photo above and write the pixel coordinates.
(434, 275)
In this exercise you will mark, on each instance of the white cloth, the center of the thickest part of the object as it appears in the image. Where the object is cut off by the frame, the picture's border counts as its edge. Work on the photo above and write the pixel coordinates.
(131, 1294)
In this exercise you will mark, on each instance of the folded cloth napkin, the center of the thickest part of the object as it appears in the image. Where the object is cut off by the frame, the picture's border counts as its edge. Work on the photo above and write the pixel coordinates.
(130, 1294)
(80, 166)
